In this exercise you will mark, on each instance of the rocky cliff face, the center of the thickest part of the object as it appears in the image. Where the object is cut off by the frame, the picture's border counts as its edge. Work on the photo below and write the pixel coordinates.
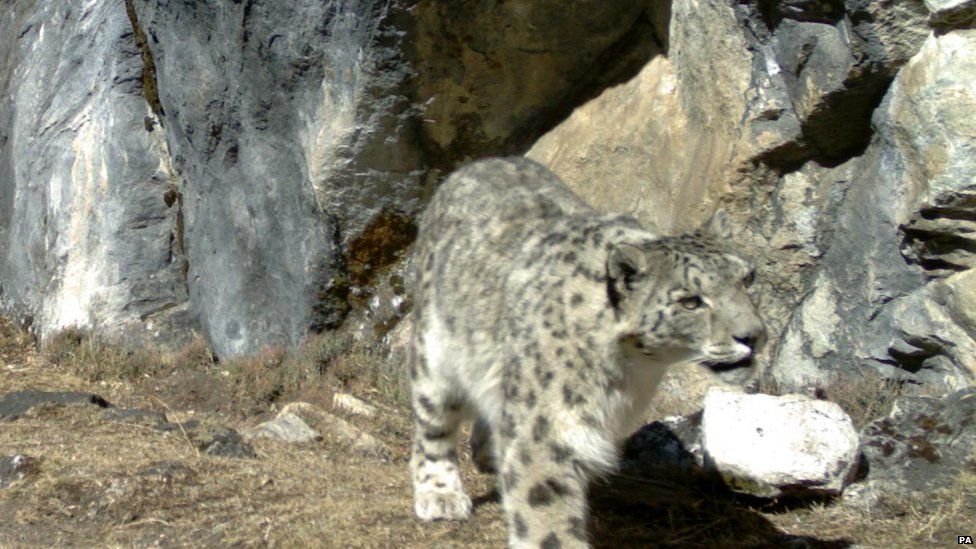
(836, 133)
(250, 171)
(243, 169)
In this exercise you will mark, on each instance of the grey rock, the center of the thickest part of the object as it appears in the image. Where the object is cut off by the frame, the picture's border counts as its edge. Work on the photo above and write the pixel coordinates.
(816, 58)
(226, 442)
(835, 60)
(88, 236)
(353, 405)
(271, 101)
(14, 468)
(771, 121)
(888, 34)
(900, 307)
(923, 444)
(336, 430)
(821, 11)
(931, 128)
(667, 449)
(15, 405)
(831, 328)
(286, 428)
(940, 237)
(925, 342)
(211, 438)
(253, 166)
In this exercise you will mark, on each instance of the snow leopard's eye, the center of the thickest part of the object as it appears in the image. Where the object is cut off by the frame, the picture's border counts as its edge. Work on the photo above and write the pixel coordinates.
(749, 279)
(691, 303)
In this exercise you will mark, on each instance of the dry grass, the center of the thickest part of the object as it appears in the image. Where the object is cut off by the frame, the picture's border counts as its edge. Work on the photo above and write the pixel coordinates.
(94, 360)
(107, 483)
(865, 397)
(928, 519)
(111, 484)
(243, 386)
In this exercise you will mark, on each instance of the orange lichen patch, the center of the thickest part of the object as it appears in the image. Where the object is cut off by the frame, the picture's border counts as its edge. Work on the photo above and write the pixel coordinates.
(381, 244)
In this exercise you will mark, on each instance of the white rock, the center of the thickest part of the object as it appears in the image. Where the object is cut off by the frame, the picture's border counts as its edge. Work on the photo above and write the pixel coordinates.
(767, 445)
(353, 405)
(337, 430)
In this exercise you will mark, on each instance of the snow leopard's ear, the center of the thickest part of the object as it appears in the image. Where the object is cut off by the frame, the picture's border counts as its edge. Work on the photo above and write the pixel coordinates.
(719, 226)
(625, 264)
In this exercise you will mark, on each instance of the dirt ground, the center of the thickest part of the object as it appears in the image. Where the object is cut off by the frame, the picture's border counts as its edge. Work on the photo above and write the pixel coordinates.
(109, 483)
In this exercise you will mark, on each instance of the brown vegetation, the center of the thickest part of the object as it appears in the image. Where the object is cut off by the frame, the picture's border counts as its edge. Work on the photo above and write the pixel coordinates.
(109, 483)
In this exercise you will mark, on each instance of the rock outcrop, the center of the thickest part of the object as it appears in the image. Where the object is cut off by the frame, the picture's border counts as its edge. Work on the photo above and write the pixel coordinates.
(252, 171)
(890, 291)
(835, 133)
(245, 169)
(924, 444)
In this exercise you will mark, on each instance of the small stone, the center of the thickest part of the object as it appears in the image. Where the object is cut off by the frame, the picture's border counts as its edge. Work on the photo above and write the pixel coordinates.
(18, 467)
(353, 405)
(866, 496)
(186, 426)
(227, 442)
(337, 429)
(769, 446)
(287, 427)
(14, 405)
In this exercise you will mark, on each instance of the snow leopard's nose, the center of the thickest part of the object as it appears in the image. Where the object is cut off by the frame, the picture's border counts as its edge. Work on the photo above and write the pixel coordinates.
(754, 337)
(750, 341)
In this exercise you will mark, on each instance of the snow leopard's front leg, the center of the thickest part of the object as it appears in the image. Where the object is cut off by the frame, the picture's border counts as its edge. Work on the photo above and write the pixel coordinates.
(544, 492)
(438, 492)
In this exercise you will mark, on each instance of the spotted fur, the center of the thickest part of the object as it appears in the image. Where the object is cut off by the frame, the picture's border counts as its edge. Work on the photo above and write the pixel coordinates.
(552, 324)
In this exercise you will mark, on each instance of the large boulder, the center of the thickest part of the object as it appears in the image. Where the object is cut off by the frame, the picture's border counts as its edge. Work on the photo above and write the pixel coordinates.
(923, 445)
(284, 427)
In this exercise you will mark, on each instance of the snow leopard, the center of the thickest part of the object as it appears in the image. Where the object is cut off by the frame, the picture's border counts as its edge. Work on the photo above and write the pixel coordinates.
(551, 324)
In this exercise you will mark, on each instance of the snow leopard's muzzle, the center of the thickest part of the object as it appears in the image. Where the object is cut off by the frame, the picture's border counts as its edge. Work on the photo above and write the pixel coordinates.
(733, 359)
